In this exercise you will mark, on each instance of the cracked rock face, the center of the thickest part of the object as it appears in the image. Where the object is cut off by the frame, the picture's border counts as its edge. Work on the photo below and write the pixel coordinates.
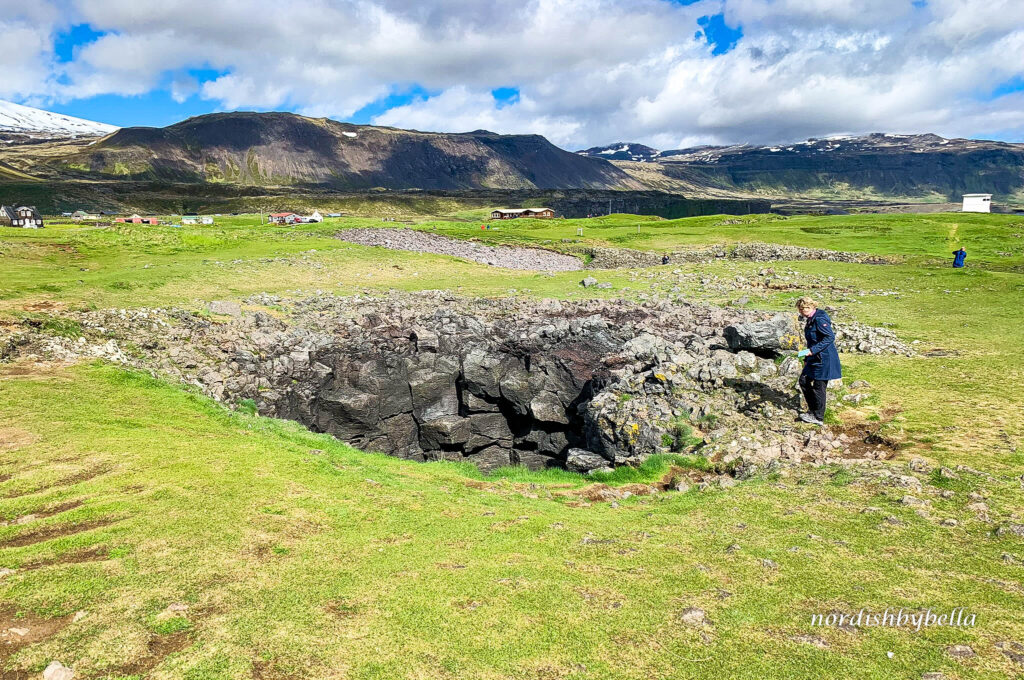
(428, 376)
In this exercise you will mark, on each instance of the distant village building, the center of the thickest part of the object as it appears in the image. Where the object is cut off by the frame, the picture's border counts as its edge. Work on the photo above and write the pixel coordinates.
(135, 219)
(283, 218)
(80, 215)
(513, 213)
(196, 219)
(981, 203)
(26, 217)
(292, 218)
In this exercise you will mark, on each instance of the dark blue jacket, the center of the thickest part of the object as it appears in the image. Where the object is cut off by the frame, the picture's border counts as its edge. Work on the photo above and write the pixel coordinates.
(823, 363)
(958, 258)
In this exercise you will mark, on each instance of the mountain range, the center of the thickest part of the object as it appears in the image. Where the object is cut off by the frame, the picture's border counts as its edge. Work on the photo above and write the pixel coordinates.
(878, 165)
(246, 149)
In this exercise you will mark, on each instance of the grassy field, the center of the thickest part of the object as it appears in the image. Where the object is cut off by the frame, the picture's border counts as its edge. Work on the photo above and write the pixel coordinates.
(154, 533)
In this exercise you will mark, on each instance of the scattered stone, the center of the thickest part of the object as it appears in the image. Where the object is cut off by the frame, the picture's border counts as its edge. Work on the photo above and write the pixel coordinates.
(946, 473)
(918, 465)
(1014, 651)
(813, 640)
(948, 522)
(225, 308)
(58, 671)
(733, 548)
(588, 282)
(583, 461)
(906, 481)
(979, 508)
(769, 564)
(960, 651)
(693, 616)
(914, 501)
(1010, 530)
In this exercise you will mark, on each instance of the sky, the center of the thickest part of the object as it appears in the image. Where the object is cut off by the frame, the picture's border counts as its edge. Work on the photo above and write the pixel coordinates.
(667, 73)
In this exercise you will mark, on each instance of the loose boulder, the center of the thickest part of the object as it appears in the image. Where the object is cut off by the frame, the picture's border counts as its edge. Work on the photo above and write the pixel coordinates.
(780, 333)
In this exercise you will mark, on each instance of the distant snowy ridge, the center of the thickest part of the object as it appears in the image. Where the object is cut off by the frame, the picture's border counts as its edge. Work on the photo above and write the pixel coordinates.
(25, 120)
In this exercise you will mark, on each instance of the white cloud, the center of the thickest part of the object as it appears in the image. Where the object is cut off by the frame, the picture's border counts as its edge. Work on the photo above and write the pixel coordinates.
(589, 71)
(461, 110)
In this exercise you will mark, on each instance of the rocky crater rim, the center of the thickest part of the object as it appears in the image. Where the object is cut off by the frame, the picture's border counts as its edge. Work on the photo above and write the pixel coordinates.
(585, 385)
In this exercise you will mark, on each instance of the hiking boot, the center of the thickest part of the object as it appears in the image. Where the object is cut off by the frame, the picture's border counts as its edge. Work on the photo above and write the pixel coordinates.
(808, 418)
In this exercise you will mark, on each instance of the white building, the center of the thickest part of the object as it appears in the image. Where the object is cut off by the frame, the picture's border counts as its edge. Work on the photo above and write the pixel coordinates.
(977, 203)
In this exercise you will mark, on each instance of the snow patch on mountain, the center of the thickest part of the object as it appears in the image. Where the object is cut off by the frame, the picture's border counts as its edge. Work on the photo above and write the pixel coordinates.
(25, 120)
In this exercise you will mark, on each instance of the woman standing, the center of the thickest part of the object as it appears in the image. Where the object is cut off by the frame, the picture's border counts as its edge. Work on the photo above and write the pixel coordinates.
(821, 359)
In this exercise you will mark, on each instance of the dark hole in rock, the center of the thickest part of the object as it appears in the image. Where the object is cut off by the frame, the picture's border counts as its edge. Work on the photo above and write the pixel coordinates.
(494, 407)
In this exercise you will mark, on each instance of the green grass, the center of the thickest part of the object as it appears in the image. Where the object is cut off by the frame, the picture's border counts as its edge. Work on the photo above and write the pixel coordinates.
(300, 557)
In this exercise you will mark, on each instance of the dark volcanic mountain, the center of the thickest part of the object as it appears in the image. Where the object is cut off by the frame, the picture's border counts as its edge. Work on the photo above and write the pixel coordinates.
(287, 149)
(926, 166)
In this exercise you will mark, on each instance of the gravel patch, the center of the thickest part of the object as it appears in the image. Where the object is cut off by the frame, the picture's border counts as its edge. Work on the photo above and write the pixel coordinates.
(532, 259)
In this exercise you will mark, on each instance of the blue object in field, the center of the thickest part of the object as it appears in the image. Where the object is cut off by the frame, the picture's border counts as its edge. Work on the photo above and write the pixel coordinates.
(958, 258)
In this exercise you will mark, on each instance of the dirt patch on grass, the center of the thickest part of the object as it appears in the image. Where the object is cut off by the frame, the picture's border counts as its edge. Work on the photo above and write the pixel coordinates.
(268, 670)
(14, 438)
(158, 648)
(21, 629)
(98, 554)
(56, 531)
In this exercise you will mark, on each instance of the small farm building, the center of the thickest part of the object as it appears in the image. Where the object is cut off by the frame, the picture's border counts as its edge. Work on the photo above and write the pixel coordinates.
(513, 213)
(977, 203)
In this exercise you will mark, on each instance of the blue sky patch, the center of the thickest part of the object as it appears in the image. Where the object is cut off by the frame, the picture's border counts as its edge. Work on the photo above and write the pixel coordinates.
(718, 34)
(399, 97)
(503, 96)
(153, 109)
(1015, 84)
(65, 43)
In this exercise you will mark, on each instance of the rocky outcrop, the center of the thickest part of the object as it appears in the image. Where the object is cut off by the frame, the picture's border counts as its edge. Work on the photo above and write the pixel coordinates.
(430, 376)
